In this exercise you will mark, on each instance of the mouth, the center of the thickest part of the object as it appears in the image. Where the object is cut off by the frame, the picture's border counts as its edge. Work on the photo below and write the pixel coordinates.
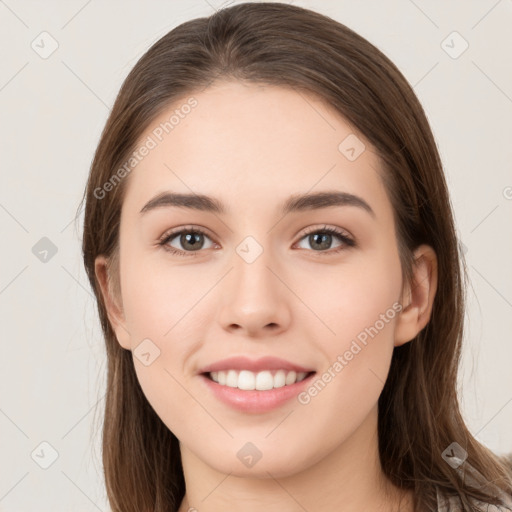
(250, 392)
(265, 380)
(255, 385)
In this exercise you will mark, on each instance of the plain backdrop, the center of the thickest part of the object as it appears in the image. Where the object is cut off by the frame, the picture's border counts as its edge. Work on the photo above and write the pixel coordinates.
(62, 63)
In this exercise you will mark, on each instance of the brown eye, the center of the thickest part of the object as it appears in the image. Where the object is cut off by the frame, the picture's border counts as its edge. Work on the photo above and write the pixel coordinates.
(320, 240)
(188, 241)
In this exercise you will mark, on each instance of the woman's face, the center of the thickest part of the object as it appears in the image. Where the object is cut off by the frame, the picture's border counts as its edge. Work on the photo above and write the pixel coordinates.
(262, 281)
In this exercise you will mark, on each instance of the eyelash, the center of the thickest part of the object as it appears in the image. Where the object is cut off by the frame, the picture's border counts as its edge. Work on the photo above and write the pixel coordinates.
(167, 237)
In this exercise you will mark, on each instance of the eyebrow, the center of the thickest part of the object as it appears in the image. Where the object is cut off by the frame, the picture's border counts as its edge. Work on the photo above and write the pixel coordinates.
(295, 203)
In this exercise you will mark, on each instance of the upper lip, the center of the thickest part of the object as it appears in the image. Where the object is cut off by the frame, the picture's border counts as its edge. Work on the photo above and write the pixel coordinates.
(254, 365)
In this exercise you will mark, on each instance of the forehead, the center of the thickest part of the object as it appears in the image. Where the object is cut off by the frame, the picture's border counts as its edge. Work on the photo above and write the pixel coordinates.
(248, 144)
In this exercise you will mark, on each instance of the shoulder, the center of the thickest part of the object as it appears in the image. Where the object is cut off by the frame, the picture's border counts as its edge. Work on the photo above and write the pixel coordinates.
(450, 503)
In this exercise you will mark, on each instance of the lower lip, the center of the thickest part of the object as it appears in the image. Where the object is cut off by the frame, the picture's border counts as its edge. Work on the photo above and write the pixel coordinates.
(255, 401)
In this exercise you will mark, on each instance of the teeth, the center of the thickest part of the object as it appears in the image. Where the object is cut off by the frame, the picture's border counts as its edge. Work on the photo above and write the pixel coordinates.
(262, 381)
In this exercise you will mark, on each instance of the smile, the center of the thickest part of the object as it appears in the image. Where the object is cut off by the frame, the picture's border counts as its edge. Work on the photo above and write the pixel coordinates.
(261, 381)
(239, 391)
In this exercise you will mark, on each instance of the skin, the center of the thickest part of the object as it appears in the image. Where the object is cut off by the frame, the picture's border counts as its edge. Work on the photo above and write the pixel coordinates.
(253, 146)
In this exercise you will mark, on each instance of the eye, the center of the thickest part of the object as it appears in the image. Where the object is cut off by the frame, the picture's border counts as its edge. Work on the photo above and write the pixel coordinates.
(190, 239)
(322, 239)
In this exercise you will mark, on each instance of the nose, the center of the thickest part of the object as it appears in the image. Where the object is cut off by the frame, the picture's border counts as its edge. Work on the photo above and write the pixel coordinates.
(254, 299)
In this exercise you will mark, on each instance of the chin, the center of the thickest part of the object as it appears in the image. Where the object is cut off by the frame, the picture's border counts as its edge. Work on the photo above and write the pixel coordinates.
(247, 461)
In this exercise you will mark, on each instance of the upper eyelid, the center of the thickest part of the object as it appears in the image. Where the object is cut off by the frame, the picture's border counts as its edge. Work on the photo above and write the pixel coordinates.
(327, 227)
(184, 229)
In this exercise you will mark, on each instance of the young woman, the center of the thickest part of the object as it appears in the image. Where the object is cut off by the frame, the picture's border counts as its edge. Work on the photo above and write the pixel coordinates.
(269, 236)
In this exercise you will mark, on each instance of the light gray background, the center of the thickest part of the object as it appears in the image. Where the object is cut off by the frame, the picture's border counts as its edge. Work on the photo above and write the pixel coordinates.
(52, 112)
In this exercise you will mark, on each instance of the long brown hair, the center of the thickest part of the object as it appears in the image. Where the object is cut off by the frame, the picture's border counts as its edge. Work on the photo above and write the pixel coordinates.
(289, 46)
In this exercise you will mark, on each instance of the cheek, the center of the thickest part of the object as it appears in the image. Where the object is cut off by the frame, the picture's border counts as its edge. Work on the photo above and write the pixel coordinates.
(157, 298)
(360, 306)
(350, 297)
(348, 387)
(163, 309)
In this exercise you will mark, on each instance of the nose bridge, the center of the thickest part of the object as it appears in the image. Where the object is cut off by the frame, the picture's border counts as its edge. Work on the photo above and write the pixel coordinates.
(254, 298)
(251, 261)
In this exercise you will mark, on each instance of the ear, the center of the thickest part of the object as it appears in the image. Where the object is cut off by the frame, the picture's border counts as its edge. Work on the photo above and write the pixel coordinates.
(418, 297)
(112, 303)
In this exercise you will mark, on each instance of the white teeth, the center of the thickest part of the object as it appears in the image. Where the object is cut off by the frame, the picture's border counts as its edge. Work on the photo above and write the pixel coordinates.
(232, 379)
(221, 379)
(290, 378)
(262, 381)
(280, 379)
